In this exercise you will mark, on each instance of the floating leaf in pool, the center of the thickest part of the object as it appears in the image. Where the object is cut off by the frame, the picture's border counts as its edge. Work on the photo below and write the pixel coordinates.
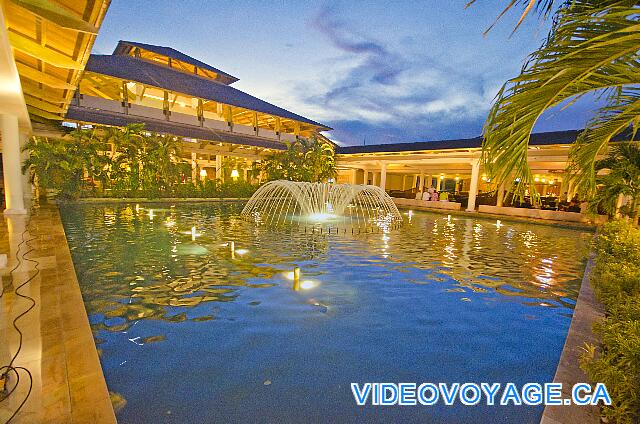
(153, 339)
(267, 382)
(456, 289)
(465, 299)
(178, 318)
(112, 274)
(117, 401)
(203, 318)
(254, 303)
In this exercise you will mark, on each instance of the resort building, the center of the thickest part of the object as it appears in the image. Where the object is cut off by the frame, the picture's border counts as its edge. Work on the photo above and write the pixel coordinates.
(173, 93)
(51, 79)
(409, 169)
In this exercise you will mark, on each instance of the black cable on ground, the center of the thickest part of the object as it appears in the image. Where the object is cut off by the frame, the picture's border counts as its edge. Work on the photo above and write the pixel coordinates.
(6, 370)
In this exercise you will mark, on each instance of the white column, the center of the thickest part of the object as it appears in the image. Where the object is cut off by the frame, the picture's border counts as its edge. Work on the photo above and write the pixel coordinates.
(194, 168)
(415, 181)
(247, 168)
(374, 178)
(11, 165)
(438, 183)
(219, 167)
(473, 188)
(383, 176)
(421, 188)
(500, 200)
(354, 176)
(404, 182)
(429, 180)
(27, 187)
(570, 191)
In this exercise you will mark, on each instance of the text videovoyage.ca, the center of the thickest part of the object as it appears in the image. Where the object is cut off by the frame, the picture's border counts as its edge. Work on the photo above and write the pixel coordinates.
(470, 394)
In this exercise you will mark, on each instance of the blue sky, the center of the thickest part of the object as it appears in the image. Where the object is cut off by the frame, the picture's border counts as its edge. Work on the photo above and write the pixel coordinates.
(375, 71)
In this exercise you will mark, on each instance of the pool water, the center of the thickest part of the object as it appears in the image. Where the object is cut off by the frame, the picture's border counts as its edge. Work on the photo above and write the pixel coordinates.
(188, 331)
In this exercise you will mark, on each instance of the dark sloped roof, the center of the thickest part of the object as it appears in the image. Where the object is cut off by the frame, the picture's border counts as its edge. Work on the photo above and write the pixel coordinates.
(76, 113)
(538, 139)
(172, 53)
(131, 69)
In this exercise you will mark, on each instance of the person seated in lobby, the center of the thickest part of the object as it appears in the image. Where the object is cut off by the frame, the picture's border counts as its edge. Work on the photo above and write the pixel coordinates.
(435, 197)
(444, 196)
(426, 195)
(418, 195)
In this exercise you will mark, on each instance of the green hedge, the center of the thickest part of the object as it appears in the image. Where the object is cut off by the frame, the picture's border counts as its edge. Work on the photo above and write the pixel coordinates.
(207, 189)
(616, 281)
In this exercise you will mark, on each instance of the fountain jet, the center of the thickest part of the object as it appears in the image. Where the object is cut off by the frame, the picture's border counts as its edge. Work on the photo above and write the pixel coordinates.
(328, 205)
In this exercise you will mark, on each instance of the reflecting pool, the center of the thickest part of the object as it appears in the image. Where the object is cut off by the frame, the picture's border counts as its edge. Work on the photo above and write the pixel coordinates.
(196, 320)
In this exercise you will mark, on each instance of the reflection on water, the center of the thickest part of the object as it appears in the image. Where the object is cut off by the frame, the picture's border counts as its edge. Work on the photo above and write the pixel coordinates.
(163, 283)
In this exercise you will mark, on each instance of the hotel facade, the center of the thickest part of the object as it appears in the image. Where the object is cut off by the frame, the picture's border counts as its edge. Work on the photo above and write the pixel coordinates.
(50, 78)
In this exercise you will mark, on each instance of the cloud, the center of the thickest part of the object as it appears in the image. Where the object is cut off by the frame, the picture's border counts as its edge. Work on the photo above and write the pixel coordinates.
(370, 89)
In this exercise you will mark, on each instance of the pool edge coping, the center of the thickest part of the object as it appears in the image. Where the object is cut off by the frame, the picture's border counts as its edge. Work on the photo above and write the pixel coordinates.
(99, 389)
(587, 311)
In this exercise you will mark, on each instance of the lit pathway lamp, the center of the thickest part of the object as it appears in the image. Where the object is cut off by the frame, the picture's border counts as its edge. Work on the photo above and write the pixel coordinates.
(234, 174)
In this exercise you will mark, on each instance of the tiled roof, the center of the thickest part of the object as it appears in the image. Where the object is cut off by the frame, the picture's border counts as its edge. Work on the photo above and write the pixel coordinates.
(132, 69)
(172, 53)
(538, 139)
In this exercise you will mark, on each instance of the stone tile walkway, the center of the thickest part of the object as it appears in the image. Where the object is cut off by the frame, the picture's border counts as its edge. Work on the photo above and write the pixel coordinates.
(58, 347)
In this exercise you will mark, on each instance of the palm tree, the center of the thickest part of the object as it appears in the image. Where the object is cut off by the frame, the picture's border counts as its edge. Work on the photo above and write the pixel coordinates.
(593, 47)
(47, 163)
(622, 179)
(87, 146)
(129, 144)
(163, 164)
(310, 160)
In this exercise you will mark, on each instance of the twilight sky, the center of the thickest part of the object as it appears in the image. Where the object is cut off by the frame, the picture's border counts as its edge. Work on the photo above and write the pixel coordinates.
(375, 71)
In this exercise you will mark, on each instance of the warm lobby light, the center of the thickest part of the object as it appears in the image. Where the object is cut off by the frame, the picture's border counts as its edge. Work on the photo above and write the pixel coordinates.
(203, 173)
(235, 174)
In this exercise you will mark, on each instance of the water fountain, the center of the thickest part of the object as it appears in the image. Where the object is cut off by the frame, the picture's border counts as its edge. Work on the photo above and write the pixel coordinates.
(322, 206)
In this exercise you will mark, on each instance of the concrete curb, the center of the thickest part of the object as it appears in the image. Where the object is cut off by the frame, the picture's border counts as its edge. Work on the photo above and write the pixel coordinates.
(587, 311)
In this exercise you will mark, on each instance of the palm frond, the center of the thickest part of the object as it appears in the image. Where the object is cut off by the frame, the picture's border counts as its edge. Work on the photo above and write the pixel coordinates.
(590, 48)
(610, 121)
(542, 6)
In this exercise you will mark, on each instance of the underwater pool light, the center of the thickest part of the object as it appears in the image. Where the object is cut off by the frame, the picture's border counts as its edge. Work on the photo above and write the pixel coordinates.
(308, 284)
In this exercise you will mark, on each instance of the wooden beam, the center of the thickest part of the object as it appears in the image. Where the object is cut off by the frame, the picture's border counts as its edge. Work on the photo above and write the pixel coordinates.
(41, 77)
(32, 101)
(33, 49)
(39, 93)
(56, 14)
(44, 114)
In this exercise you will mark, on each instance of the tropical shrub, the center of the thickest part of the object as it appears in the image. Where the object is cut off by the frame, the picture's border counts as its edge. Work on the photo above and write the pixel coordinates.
(311, 160)
(616, 280)
(144, 165)
(622, 178)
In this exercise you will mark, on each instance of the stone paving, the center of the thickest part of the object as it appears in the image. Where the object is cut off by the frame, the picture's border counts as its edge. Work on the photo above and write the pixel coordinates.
(58, 347)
